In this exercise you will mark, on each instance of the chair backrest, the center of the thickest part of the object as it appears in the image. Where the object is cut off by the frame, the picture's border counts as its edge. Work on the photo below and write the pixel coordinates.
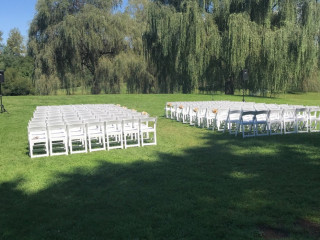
(302, 112)
(94, 123)
(55, 123)
(113, 124)
(87, 117)
(37, 129)
(314, 112)
(222, 112)
(262, 115)
(57, 126)
(74, 122)
(91, 120)
(72, 127)
(234, 114)
(275, 114)
(71, 117)
(150, 122)
(131, 122)
(107, 119)
(289, 112)
(248, 115)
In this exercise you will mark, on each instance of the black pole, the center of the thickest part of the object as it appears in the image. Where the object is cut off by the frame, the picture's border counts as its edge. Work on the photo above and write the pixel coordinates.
(2, 107)
(243, 82)
(245, 77)
(212, 91)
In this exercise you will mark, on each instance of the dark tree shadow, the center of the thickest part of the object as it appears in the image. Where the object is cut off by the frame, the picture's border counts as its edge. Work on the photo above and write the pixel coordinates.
(222, 190)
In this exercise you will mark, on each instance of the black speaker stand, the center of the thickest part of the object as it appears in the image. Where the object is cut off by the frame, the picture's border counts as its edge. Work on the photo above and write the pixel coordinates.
(2, 107)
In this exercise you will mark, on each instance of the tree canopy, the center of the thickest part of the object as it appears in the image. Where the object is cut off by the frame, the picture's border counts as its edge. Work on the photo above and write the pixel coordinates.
(84, 40)
(176, 45)
(15, 42)
(197, 43)
(18, 67)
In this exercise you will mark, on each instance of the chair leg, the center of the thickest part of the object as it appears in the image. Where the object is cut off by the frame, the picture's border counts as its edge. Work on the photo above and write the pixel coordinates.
(108, 142)
(125, 140)
(138, 138)
(141, 135)
(31, 150)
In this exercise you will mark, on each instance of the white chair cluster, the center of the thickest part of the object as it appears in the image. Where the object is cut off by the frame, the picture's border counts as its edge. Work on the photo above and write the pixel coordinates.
(60, 130)
(249, 118)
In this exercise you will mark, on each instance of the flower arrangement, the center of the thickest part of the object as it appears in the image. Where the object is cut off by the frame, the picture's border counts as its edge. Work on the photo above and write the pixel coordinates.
(169, 104)
(181, 106)
(215, 110)
(195, 109)
(144, 113)
(118, 105)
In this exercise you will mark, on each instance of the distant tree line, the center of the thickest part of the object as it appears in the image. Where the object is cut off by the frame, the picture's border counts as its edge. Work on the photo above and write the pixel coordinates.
(169, 46)
(17, 65)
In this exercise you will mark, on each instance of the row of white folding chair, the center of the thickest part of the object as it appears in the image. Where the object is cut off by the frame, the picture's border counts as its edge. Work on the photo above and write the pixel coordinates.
(297, 120)
(67, 109)
(249, 122)
(66, 118)
(62, 136)
(274, 121)
(254, 123)
(173, 110)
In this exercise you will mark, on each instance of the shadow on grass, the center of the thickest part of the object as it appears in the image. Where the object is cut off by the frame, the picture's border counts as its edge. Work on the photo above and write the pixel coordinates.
(230, 188)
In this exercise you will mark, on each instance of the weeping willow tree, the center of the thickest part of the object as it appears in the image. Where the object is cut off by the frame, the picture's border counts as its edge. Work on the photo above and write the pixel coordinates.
(197, 43)
(182, 45)
(176, 45)
(88, 43)
(68, 38)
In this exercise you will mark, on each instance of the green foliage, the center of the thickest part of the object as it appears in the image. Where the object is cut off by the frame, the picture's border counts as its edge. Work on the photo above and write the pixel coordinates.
(198, 43)
(15, 42)
(183, 45)
(17, 84)
(87, 40)
(176, 46)
(18, 73)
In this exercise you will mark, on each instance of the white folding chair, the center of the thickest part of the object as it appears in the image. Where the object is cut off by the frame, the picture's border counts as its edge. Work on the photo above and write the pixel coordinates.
(148, 131)
(185, 115)
(261, 126)
(96, 135)
(77, 137)
(38, 141)
(233, 121)
(221, 119)
(58, 139)
(179, 113)
(289, 120)
(275, 122)
(210, 117)
(247, 124)
(173, 111)
(200, 116)
(114, 134)
(167, 110)
(302, 120)
(131, 132)
(314, 119)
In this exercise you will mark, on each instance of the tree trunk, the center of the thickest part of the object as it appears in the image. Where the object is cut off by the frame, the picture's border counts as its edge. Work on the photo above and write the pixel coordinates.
(95, 89)
(229, 86)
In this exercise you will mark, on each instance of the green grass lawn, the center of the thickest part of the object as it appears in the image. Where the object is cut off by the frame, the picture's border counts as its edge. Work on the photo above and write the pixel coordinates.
(195, 184)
